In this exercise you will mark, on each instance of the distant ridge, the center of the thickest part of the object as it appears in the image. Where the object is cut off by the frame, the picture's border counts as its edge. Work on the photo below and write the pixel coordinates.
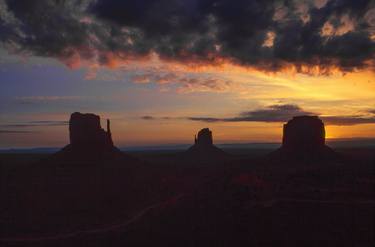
(334, 143)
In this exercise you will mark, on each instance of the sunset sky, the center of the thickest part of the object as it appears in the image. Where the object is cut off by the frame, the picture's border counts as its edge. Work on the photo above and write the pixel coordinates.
(163, 69)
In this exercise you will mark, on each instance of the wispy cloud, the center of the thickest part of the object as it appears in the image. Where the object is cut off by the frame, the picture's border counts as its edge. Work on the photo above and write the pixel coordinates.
(159, 76)
(16, 131)
(35, 124)
(279, 113)
(50, 122)
(50, 98)
(147, 117)
(185, 82)
(347, 120)
(273, 113)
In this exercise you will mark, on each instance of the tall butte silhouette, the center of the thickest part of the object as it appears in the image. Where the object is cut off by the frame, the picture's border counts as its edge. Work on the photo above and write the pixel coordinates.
(203, 148)
(88, 140)
(304, 140)
(86, 133)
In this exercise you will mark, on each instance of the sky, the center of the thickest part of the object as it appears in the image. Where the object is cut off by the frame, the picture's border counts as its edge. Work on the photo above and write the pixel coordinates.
(161, 70)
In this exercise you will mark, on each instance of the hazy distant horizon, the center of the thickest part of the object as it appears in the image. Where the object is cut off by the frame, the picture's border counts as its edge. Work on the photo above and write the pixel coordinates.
(333, 142)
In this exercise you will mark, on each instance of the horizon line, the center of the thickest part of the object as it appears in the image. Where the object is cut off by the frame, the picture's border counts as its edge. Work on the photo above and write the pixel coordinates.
(166, 145)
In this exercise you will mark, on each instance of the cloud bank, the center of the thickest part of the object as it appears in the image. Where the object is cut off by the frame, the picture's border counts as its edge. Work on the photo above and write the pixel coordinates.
(274, 113)
(308, 36)
(280, 114)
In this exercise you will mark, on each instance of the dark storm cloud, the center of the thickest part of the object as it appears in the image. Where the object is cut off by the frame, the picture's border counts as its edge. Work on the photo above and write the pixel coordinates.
(268, 35)
(43, 27)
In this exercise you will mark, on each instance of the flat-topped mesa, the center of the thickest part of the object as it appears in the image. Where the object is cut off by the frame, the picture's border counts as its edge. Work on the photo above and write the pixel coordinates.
(304, 142)
(304, 133)
(86, 132)
(204, 137)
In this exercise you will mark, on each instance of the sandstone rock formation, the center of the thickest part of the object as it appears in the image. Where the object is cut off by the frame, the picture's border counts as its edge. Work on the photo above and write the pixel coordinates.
(203, 148)
(204, 137)
(304, 133)
(304, 140)
(85, 132)
(89, 142)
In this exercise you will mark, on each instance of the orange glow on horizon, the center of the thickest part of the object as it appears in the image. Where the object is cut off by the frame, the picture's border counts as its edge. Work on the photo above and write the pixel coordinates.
(235, 89)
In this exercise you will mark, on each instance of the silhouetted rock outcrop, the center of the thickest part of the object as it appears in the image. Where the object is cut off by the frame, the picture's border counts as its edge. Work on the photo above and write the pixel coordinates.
(304, 133)
(89, 141)
(203, 148)
(204, 137)
(85, 132)
(304, 140)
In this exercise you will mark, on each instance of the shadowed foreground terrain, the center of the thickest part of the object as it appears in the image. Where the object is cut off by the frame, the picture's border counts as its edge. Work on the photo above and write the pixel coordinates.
(92, 194)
